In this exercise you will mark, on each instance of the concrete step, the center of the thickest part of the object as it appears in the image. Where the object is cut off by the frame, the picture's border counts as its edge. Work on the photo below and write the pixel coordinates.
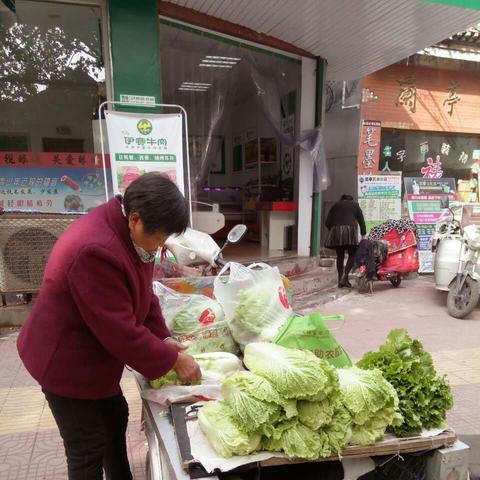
(295, 266)
(14, 315)
(315, 280)
(312, 302)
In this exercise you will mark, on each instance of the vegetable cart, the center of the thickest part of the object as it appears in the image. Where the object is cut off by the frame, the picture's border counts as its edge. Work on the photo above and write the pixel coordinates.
(169, 455)
(178, 449)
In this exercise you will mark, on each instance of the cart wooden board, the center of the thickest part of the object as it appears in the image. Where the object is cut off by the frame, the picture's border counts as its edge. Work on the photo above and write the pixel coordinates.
(390, 446)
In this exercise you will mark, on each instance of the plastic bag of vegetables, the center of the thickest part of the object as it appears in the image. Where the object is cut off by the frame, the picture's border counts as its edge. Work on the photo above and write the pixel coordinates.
(254, 300)
(195, 320)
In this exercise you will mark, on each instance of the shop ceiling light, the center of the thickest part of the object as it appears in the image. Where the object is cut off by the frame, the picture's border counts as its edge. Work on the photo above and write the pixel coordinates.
(214, 65)
(232, 59)
(191, 89)
(219, 62)
(214, 61)
(194, 86)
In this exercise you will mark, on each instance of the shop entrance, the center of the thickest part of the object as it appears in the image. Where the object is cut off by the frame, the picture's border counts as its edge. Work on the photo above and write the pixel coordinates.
(242, 102)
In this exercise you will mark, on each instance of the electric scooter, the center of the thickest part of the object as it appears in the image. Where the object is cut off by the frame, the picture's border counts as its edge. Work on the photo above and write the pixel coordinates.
(457, 259)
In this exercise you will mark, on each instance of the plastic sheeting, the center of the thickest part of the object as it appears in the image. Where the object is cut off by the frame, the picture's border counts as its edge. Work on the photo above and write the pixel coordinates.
(246, 92)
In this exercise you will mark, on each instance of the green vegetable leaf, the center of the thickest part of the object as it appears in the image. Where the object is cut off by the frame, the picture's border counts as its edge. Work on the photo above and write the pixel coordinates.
(254, 402)
(424, 397)
(316, 414)
(215, 367)
(295, 374)
(296, 440)
(371, 401)
(217, 423)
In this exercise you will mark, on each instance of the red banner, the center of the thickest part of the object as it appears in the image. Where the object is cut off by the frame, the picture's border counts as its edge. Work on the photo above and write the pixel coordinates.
(369, 149)
(52, 159)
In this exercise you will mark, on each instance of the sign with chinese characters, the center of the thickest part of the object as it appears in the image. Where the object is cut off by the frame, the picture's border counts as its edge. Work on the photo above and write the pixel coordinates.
(407, 95)
(369, 149)
(433, 169)
(51, 182)
(379, 197)
(453, 98)
(423, 196)
(141, 143)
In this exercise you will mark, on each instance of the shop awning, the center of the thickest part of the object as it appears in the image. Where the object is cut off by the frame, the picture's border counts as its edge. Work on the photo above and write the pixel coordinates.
(356, 37)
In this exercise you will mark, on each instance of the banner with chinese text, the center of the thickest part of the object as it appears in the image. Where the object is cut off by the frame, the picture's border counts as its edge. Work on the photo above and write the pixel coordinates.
(51, 182)
(423, 197)
(141, 143)
(379, 197)
(369, 149)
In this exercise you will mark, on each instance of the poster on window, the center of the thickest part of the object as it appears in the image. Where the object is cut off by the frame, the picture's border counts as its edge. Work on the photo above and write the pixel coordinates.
(423, 197)
(380, 198)
(141, 143)
(51, 182)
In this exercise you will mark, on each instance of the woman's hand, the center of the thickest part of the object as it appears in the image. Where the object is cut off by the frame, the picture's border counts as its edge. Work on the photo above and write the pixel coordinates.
(179, 347)
(187, 368)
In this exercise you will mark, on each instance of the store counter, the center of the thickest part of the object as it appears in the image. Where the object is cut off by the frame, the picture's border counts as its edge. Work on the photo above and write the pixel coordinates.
(274, 218)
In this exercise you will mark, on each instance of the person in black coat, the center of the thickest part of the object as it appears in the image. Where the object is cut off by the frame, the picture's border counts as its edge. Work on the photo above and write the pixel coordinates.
(342, 222)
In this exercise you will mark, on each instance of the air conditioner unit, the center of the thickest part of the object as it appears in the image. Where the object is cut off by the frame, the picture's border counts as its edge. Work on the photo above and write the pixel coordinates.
(26, 241)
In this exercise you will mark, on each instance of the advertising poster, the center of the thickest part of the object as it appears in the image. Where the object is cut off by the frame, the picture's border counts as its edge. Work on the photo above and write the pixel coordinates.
(369, 149)
(51, 182)
(423, 197)
(380, 197)
(141, 143)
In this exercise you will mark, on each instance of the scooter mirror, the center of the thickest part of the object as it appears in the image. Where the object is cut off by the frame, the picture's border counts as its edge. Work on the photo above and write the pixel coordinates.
(236, 233)
(445, 202)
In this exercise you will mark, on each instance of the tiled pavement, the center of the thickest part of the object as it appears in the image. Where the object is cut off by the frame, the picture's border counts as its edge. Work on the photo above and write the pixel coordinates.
(30, 446)
(31, 449)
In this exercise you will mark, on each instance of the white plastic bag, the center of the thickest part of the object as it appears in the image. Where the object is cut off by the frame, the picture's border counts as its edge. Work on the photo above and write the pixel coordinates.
(254, 301)
(195, 320)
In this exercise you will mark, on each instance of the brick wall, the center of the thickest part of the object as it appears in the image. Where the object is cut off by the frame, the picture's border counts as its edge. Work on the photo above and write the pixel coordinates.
(431, 114)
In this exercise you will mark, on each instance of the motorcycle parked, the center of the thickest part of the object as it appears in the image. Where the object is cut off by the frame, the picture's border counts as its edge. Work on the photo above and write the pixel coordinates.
(457, 259)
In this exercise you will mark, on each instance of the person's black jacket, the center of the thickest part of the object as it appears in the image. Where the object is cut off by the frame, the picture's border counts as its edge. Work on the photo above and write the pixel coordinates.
(346, 212)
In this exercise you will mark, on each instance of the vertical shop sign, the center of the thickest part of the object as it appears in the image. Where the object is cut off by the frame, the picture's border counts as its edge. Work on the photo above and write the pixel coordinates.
(369, 150)
(423, 196)
(141, 143)
(379, 197)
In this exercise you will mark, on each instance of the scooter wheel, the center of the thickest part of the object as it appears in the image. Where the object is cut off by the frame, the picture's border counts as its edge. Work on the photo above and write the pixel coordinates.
(462, 301)
(396, 281)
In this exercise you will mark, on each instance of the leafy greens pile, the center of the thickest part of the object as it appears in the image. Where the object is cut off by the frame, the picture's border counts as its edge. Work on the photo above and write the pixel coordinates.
(424, 397)
(294, 402)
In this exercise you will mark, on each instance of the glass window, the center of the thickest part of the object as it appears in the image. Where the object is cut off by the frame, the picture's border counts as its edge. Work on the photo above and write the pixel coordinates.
(242, 103)
(52, 79)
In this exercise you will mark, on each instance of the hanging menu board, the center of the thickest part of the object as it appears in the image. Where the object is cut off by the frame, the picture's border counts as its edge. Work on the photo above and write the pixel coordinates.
(423, 196)
(379, 197)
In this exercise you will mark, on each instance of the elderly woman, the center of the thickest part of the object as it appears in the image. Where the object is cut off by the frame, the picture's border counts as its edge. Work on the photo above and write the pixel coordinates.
(342, 222)
(96, 313)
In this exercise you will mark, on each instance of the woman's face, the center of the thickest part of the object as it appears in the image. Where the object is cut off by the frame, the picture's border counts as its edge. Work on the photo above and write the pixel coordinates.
(149, 242)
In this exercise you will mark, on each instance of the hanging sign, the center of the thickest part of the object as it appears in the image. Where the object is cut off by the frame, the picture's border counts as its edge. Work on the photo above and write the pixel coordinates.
(141, 143)
(369, 149)
(379, 197)
(423, 196)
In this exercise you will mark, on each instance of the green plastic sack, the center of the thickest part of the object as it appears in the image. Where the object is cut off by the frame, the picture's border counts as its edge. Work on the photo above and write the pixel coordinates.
(311, 333)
